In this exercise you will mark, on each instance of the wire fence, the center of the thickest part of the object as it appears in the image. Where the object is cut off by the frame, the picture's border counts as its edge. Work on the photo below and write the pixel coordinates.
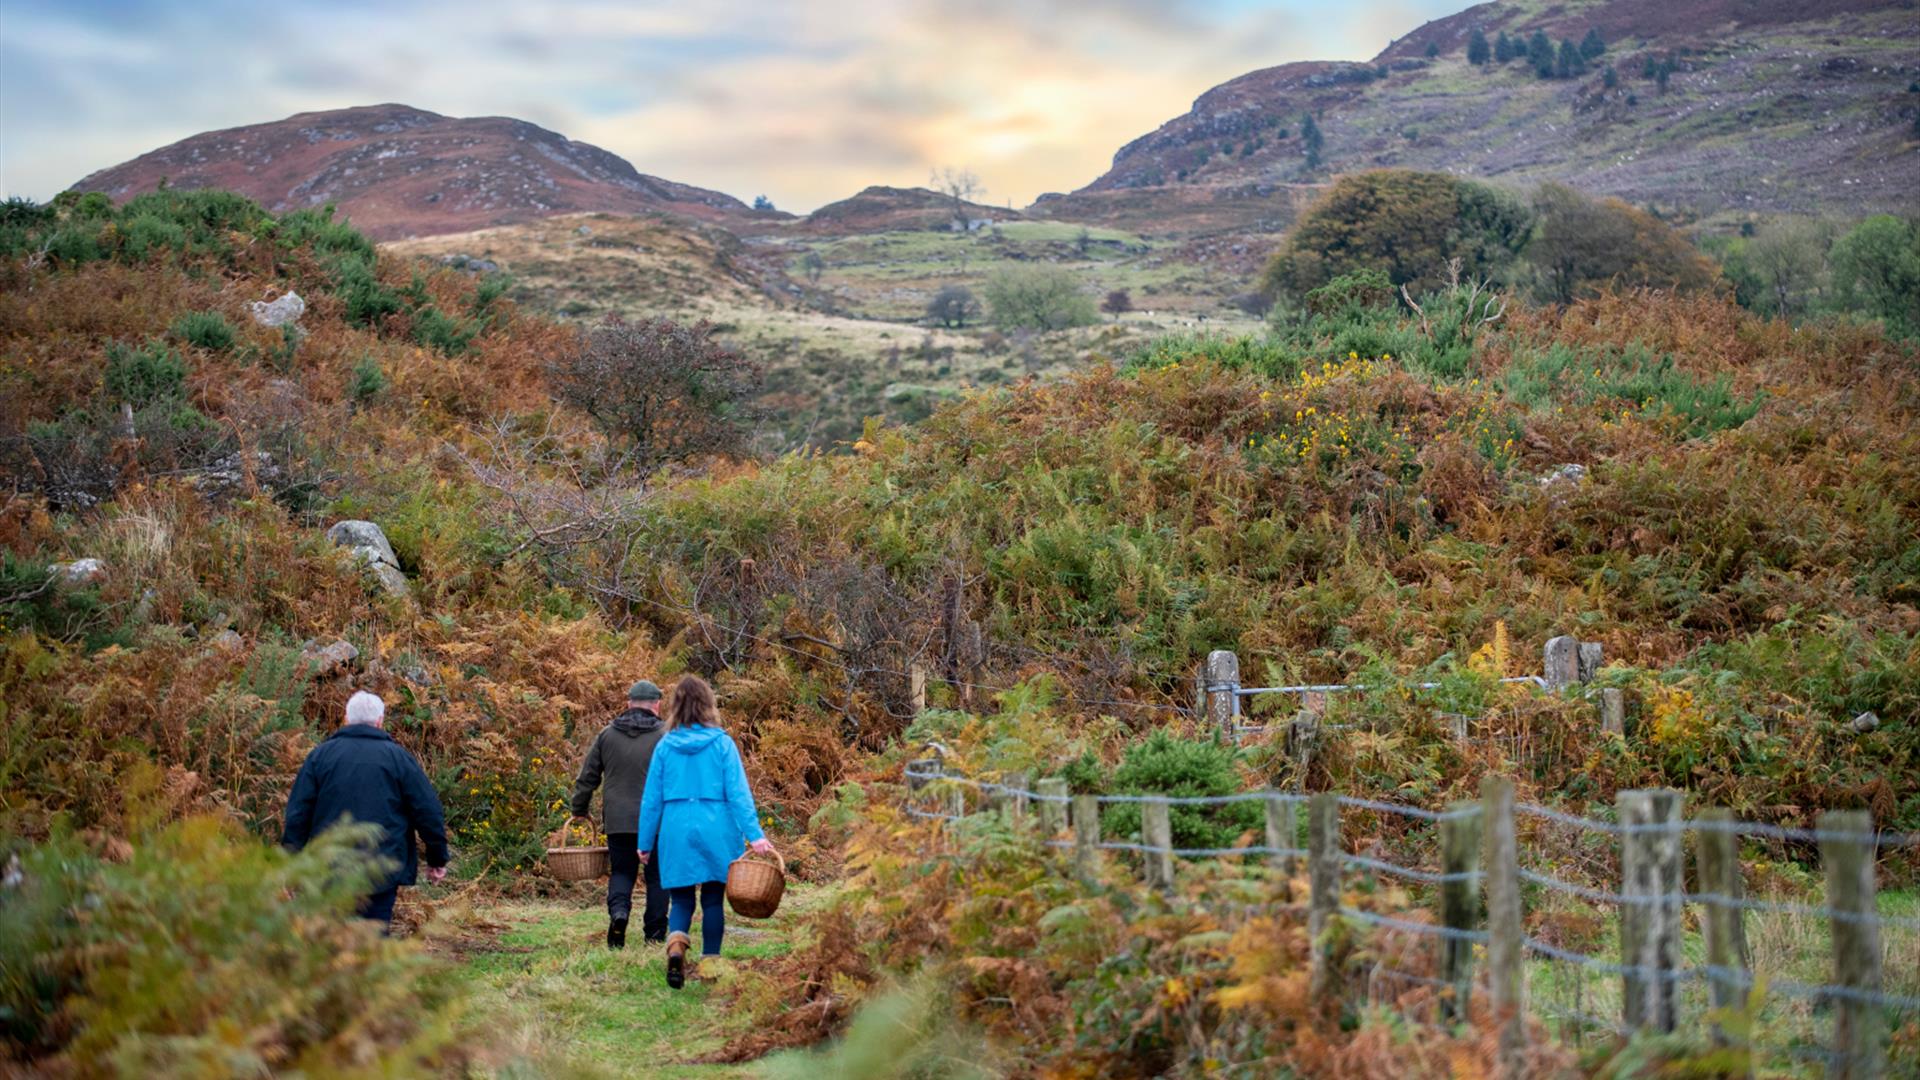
(1596, 959)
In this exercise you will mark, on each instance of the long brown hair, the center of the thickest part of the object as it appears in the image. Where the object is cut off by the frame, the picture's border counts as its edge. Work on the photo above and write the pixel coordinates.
(693, 704)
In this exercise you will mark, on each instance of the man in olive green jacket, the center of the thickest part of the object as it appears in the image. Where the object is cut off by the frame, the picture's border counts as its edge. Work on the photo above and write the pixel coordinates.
(618, 761)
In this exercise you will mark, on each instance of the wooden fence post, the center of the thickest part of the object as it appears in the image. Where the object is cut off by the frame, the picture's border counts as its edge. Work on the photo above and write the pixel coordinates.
(1560, 662)
(1323, 868)
(1222, 675)
(1086, 837)
(1650, 914)
(1051, 811)
(1013, 802)
(1156, 831)
(1283, 832)
(1716, 856)
(1859, 1038)
(957, 796)
(917, 688)
(1459, 905)
(1506, 971)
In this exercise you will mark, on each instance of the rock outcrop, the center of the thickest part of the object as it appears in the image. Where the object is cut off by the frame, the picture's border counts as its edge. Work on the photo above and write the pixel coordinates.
(370, 548)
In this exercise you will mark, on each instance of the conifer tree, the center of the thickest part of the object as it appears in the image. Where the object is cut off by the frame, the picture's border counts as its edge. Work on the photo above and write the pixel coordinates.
(1477, 49)
(1592, 46)
(1503, 49)
(1540, 54)
(1568, 63)
(1311, 140)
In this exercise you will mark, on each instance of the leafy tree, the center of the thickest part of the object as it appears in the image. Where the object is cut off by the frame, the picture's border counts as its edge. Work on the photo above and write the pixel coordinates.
(1433, 49)
(1477, 49)
(1038, 298)
(1592, 46)
(952, 306)
(1876, 270)
(1311, 141)
(664, 390)
(1503, 49)
(1403, 222)
(1117, 303)
(1788, 260)
(1582, 245)
(1540, 54)
(761, 202)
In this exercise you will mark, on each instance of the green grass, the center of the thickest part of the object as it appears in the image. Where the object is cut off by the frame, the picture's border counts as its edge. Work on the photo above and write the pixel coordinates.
(557, 1002)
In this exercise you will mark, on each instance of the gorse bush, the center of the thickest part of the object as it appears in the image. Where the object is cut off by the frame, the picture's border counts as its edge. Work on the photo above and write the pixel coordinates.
(1632, 380)
(1166, 765)
(207, 954)
(144, 374)
(204, 329)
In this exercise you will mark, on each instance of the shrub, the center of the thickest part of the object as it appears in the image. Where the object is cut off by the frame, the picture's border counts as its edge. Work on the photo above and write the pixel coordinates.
(1582, 245)
(1407, 224)
(367, 300)
(1038, 298)
(667, 391)
(441, 332)
(144, 374)
(208, 330)
(208, 954)
(952, 306)
(368, 381)
(1166, 765)
(1265, 356)
(1633, 378)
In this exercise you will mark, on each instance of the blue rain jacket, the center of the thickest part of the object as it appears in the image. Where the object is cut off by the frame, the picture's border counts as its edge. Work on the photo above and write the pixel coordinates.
(696, 812)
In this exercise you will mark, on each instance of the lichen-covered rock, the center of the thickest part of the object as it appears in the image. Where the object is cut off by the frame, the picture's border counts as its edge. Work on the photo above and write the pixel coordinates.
(325, 661)
(370, 547)
(81, 572)
(279, 312)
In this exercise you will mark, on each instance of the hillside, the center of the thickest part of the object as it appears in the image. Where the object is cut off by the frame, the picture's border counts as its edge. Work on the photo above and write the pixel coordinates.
(879, 209)
(1767, 108)
(397, 171)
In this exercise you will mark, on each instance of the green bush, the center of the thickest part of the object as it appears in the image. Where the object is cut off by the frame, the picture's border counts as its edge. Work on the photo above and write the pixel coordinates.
(144, 374)
(441, 332)
(1165, 765)
(206, 953)
(1264, 355)
(1876, 270)
(1634, 378)
(1038, 298)
(316, 231)
(208, 330)
(367, 300)
(368, 381)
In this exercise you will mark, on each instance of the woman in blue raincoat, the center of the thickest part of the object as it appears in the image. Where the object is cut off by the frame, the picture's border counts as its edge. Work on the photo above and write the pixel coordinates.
(696, 814)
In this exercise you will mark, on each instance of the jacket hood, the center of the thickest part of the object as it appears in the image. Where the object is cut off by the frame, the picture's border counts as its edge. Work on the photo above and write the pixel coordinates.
(692, 740)
(636, 722)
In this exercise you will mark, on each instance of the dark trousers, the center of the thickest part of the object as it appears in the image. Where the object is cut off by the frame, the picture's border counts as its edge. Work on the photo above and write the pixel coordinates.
(713, 913)
(623, 858)
(379, 907)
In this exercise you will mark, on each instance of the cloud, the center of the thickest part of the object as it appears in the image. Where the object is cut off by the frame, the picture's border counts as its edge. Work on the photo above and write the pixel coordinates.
(806, 101)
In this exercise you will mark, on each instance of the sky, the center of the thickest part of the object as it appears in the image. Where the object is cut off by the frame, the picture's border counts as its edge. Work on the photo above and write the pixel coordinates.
(804, 101)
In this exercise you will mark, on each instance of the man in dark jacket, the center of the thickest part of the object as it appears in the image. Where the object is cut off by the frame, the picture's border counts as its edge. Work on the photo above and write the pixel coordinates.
(619, 759)
(359, 772)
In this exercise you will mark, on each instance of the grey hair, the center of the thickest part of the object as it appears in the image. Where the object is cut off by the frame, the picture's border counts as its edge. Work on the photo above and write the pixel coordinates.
(365, 708)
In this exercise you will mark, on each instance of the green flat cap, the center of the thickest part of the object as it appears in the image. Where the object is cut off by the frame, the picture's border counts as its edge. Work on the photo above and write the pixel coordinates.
(644, 690)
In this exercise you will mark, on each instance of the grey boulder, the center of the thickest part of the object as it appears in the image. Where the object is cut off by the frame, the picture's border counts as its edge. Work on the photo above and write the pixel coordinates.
(370, 548)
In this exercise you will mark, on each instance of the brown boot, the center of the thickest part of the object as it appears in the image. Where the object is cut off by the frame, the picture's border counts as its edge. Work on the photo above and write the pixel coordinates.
(677, 946)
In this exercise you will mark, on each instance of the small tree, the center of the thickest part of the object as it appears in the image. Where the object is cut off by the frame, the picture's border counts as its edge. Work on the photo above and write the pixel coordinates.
(1038, 298)
(1433, 49)
(1083, 240)
(958, 185)
(814, 265)
(1311, 141)
(1540, 54)
(1663, 73)
(1876, 270)
(1592, 46)
(1567, 63)
(952, 306)
(1610, 78)
(664, 391)
(1117, 303)
(761, 202)
(1477, 50)
(1503, 49)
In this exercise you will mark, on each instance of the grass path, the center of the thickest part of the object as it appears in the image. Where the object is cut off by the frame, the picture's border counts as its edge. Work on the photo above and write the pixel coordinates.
(560, 1003)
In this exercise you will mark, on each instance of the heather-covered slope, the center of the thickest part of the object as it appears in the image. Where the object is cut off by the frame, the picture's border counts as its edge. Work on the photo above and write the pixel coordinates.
(398, 171)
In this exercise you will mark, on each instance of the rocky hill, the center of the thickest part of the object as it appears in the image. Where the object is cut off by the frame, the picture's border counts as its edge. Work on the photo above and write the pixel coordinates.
(879, 208)
(1768, 107)
(397, 171)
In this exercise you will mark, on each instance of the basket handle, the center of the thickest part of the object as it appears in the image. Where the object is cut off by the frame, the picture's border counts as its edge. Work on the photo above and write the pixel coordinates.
(778, 858)
(566, 840)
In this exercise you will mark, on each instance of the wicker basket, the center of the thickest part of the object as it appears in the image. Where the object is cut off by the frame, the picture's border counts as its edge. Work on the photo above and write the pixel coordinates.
(754, 888)
(569, 863)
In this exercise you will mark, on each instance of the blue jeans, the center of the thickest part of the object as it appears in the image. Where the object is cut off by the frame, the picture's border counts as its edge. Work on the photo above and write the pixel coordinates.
(713, 914)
